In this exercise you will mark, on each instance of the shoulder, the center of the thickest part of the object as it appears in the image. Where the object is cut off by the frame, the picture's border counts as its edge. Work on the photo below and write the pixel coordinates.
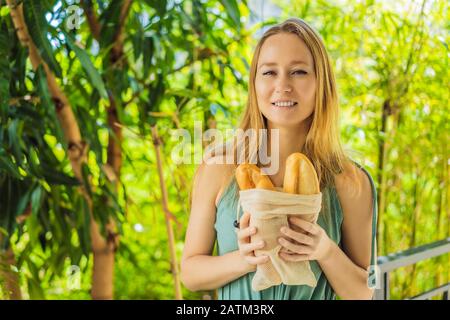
(211, 179)
(355, 191)
(352, 181)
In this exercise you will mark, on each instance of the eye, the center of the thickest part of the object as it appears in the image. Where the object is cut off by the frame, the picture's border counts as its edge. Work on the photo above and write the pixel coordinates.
(299, 72)
(270, 72)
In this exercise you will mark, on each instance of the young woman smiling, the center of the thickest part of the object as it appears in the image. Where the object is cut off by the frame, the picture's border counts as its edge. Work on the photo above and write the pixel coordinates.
(292, 89)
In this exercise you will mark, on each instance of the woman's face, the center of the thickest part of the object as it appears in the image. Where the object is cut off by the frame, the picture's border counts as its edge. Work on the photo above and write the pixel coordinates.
(285, 81)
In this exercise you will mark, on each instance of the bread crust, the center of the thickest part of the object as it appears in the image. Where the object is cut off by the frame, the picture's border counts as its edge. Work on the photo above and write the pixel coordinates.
(300, 177)
(249, 176)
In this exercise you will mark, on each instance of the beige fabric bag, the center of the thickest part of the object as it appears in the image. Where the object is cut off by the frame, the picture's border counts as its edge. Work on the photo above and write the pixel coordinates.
(269, 211)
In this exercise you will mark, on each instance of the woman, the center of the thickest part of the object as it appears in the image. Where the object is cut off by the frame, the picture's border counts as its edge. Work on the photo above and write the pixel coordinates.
(291, 88)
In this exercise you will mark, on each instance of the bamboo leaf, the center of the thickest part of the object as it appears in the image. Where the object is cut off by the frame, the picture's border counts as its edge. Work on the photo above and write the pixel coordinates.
(35, 290)
(88, 67)
(156, 94)
(7, 165)
(27, 113)
(53, 176)
(34, 13)
(138, 39)
(159, 5)
(86, 172)
(5, 69)
(23, 202)
(36, 197)
(45, 95)
(181, 92)
(232, 9)
(109, 19)
(84, 231)
(149, 47)
(14, 132)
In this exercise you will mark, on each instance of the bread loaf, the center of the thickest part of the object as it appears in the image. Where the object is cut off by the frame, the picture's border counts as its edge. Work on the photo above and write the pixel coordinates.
(249, 176)
(300, 177)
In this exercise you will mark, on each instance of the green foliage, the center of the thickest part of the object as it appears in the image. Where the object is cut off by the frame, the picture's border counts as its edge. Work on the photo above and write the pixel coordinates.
(186, 61)
(34, 13)
(395, 57)
(91, 71)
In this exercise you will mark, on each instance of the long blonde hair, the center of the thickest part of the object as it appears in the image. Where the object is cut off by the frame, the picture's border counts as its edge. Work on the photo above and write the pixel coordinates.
(322, 146)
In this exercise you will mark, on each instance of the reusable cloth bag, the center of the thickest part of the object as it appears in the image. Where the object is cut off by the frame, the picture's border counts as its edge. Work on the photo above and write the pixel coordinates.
(269, 211)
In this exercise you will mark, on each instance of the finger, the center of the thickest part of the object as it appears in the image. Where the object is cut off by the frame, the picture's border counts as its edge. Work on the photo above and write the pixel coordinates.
(284, 250)
(243, 235)
(297, 228)
(250, 247)
(305, 225)
(296, 248)
(244, 221)
(257, 260)
(299, 237)
(294, 257)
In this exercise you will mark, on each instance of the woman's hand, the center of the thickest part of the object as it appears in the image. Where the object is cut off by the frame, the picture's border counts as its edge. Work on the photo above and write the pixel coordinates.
(246, 247)
(305, 241)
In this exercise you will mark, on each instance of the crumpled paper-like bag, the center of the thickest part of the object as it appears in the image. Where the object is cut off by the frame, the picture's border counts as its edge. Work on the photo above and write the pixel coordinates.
(269, 211)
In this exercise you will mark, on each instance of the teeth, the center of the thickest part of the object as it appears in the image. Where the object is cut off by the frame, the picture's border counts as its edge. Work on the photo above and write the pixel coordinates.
(284, 104)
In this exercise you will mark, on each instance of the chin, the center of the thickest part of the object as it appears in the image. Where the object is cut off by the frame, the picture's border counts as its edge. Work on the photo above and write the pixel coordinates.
(283, 123)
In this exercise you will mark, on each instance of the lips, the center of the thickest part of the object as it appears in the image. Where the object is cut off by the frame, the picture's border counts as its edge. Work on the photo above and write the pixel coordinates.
(287, 103)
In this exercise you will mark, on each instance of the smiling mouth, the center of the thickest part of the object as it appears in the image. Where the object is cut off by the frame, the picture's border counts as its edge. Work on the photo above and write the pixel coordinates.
(284, 104)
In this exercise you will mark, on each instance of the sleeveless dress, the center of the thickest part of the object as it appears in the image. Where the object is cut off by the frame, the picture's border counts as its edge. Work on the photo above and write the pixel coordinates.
(330, 219)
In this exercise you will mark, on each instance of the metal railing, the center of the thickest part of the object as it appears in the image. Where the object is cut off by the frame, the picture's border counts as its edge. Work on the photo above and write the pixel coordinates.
(388, 263)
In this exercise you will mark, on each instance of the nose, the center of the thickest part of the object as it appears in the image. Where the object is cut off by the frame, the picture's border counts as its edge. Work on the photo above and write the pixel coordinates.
(285, 89)
(283, 85)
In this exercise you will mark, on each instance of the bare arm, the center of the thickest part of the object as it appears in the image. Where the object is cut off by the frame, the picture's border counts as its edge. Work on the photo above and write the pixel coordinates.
(347, 270)
(199, 269)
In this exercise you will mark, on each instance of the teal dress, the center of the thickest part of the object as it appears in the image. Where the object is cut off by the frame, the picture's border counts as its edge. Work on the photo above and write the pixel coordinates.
(330, 219)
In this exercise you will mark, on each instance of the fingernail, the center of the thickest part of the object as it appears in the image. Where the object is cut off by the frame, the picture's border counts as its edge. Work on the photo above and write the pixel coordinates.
(283, 229)
(253, 229)
(261, 243)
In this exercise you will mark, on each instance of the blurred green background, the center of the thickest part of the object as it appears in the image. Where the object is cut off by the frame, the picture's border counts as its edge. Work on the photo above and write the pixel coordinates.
(82, 125)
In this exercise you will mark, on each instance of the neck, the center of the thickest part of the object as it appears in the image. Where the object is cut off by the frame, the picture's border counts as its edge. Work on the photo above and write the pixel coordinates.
(291, 139)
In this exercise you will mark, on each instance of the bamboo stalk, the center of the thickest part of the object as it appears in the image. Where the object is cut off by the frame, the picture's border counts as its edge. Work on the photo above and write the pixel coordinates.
(167, 214)
(114, 150)
(94, 24)
(103, 250)
(116, 54)
(9, 279)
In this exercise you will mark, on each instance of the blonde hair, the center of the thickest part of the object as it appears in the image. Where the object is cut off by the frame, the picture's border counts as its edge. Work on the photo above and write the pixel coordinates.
(323, 146)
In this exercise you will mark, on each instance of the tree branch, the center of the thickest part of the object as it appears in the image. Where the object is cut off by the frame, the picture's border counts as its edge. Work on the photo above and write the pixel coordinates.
(103, 249)
(117, 49)
(93, 22)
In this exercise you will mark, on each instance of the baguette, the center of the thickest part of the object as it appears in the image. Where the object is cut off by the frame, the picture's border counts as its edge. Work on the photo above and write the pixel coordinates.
(300, 177)
(249, 176)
